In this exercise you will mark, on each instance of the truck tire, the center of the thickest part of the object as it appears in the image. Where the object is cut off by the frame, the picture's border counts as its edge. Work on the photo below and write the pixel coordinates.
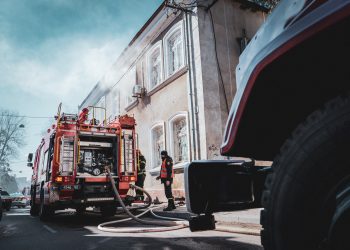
(34, 208)
(307, 196)
(80, 210)
(45, 212)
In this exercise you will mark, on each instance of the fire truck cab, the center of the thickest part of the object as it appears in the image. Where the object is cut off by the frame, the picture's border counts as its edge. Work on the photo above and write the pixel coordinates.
(69, 168)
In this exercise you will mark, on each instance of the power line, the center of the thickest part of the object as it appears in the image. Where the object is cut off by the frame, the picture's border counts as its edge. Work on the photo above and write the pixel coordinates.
(30, 117)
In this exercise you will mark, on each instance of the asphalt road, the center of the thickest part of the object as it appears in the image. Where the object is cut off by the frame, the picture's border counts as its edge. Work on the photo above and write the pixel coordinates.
(19, 230)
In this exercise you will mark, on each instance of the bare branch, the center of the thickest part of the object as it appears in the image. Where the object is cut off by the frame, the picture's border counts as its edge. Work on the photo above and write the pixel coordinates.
(11, 136)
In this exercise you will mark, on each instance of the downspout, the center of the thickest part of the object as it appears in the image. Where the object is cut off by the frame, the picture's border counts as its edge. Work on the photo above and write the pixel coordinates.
(193, 93)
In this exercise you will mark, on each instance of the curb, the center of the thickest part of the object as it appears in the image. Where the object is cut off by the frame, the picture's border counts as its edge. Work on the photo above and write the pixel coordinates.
(239, 228)
(221, 226)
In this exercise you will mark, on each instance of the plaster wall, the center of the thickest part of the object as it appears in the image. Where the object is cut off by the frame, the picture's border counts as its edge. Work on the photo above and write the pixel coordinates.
(158, 108)
(229, 21)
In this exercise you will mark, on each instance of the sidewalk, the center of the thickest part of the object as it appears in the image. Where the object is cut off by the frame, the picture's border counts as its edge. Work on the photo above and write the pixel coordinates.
(243, 221)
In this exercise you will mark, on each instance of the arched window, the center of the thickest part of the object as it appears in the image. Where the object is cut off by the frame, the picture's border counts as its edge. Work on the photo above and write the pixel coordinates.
(100, 110)
(158, 143)
(115, 102)
(174, 49)
(179, 138)
(155, 68)
(130, 80)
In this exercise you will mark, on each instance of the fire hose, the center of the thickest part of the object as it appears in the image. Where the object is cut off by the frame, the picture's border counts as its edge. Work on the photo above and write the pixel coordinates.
(172, 224)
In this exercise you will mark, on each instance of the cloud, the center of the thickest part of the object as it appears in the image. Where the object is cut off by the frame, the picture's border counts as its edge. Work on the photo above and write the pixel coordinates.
(62, 68)
(63, 48)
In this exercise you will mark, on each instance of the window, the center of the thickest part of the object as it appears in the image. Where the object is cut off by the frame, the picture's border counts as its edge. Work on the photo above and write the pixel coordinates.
(43, 160)
(155, 66)
(115, 103)
(100, 110)
(130, 81)
(158, 144)
(174, 49)
(179, 138)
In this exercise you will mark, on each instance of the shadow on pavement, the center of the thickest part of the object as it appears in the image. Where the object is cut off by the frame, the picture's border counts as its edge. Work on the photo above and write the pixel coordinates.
(70, 231)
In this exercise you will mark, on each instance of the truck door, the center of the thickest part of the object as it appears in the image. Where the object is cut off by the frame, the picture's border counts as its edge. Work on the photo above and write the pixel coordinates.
(50, 157)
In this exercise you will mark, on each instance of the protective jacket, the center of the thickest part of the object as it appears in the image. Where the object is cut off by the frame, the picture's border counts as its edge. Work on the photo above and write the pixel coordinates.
(167, 170)
(142, 165)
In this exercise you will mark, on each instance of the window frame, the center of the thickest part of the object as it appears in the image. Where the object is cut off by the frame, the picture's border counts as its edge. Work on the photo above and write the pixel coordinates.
(132, 99)
(115, 96)
(156, 125)
(157, 46)
(172, 120)
(100, 110)
(178, 26)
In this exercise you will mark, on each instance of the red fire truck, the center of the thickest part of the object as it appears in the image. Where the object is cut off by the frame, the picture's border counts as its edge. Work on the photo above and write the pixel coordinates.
(69, 164)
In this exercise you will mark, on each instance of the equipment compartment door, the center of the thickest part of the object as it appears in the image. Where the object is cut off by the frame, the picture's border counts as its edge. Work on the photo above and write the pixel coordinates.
(67, 155)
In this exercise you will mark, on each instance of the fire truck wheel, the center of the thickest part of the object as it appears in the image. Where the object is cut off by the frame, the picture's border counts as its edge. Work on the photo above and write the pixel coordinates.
(45, 211)
(80, 210)
(307, 197)
(34, 209)
(108, 210)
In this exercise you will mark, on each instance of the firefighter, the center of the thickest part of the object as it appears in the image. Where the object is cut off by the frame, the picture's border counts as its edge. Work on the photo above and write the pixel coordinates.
(166, 176)
(141, 174)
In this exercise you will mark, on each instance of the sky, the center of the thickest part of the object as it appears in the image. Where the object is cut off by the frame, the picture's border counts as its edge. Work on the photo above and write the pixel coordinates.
(56, 51)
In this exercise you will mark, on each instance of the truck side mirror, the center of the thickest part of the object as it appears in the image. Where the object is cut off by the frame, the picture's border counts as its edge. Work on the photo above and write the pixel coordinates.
(30, 157)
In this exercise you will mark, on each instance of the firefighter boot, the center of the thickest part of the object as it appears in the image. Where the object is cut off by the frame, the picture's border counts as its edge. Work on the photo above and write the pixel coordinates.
(172, 203)
(169, 207)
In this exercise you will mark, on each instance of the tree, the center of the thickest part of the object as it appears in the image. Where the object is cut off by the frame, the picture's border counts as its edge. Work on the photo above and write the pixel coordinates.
(11, 137)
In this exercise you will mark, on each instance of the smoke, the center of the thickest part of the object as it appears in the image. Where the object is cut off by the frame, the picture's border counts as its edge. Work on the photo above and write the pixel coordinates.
(64, 69)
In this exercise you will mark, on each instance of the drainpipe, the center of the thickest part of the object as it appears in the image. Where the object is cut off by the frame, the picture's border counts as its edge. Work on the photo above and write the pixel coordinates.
(193, 89)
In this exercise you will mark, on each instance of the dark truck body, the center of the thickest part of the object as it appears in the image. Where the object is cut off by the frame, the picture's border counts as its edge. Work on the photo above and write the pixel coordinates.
(293, 76)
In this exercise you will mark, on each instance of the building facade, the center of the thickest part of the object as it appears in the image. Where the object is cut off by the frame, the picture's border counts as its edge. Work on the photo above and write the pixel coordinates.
(177, 78)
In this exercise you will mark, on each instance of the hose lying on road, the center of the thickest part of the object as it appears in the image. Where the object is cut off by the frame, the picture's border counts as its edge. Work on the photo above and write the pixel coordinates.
(174, 224)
